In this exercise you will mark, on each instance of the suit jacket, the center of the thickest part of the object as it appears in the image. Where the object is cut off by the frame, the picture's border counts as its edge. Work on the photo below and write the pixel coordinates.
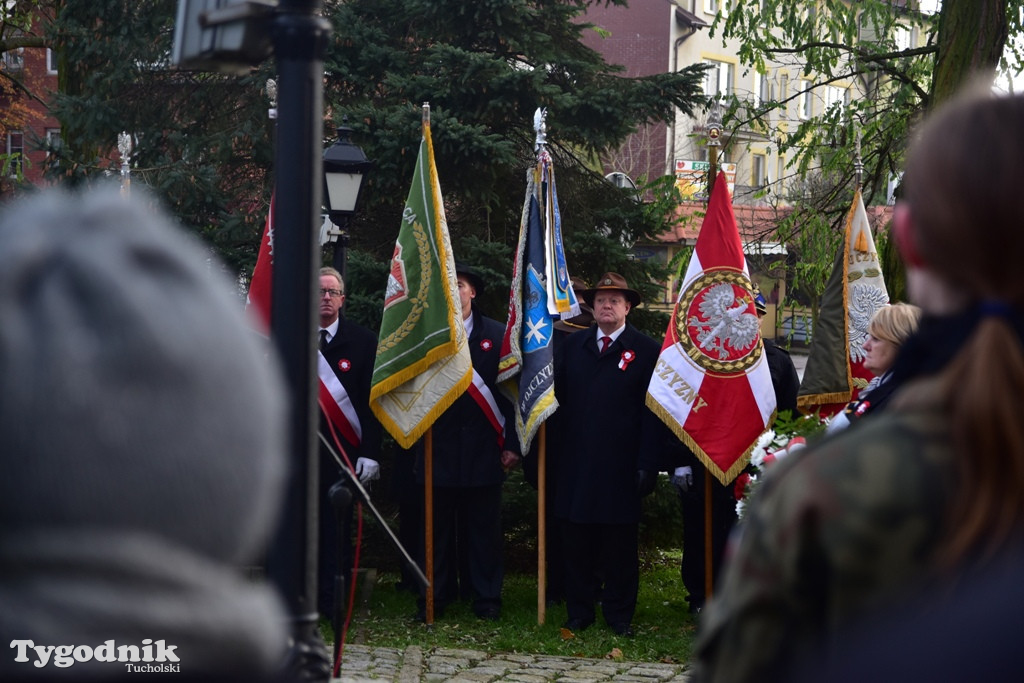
(607, 433)
(351, 354)
(785, 379)
(466, 447)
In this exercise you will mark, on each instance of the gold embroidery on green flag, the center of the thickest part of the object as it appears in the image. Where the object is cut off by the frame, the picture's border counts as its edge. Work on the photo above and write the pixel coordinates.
(423, 361)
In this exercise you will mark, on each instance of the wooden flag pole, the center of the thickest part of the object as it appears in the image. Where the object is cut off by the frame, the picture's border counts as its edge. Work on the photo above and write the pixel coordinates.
(428, 518)
(428, 480)
(714, 133)
(708, 565)
(542, 523)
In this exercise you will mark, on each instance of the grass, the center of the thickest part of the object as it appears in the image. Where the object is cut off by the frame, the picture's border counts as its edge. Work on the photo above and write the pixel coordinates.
(664, 628)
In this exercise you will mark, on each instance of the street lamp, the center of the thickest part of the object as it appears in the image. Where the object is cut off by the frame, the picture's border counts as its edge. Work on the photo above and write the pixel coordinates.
(344, 167)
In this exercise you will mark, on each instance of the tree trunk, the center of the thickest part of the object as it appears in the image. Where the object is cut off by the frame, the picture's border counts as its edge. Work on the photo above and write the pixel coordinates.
(972, 35)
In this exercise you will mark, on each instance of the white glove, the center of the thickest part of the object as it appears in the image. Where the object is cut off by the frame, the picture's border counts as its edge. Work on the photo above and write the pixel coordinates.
(683, 478)
(367, 470)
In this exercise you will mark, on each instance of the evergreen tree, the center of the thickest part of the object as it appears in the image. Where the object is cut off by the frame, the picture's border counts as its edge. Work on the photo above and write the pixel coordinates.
(485, 67)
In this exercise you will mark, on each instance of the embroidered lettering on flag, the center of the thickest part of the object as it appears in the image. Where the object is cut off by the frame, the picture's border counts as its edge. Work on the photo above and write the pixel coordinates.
(711, 384)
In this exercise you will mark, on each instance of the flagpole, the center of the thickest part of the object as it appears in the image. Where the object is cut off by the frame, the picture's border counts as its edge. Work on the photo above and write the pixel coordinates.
(428, 482)
(428, 519)
(714, 133)
(858, 162)
(124, 147)
(540, 142)
(542, 524)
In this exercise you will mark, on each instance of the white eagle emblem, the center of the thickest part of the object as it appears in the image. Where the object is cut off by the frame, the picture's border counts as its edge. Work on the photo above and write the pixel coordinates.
(864, 301)
(725, 321)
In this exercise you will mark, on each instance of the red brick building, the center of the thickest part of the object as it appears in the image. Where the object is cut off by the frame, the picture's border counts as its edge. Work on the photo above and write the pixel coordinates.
(639, 38)
(28, 77)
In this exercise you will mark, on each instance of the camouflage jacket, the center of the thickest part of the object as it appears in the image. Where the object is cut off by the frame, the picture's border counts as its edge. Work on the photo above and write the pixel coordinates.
(833, 532)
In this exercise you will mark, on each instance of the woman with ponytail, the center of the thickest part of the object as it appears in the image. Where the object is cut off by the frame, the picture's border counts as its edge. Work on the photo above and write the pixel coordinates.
(932, 489)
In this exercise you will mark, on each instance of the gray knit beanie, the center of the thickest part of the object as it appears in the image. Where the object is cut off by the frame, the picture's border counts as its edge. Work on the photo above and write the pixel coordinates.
(133, 395)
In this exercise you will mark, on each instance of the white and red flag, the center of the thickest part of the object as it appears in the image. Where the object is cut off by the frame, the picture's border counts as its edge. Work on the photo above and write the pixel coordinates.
(333, 398)
(711, 385)
(258, 298)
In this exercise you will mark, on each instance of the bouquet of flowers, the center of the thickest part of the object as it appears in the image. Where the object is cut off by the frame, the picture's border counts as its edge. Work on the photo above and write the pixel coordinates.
(789, 435)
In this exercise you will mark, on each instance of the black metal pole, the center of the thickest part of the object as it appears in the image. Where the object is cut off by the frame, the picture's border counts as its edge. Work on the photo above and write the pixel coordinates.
(300, 37)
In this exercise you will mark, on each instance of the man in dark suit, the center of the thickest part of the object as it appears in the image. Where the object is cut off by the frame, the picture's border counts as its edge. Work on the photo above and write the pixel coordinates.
(345, 368)
(555, 570)
(785, 379)
(688, 475)
(607, 458)
(474, 443)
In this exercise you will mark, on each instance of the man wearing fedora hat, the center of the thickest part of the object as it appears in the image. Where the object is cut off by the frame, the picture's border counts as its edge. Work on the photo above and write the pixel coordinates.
(555, 584)
(607, 457)
(472, 450)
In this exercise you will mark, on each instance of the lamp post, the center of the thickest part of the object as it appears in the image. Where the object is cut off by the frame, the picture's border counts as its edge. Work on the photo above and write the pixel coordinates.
(345, 164)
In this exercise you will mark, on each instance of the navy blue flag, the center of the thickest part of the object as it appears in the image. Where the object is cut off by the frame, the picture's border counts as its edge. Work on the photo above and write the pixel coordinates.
(526, 369)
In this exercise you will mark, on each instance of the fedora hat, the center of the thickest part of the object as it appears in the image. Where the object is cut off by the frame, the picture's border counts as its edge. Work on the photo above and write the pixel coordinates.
(611, 282)
(586, 316)
(471, 274)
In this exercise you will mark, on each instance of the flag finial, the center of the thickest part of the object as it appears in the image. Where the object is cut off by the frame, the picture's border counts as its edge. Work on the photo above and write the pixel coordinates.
(540, 127)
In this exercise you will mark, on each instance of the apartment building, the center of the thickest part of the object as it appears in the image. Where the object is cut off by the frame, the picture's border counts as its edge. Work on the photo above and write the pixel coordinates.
(652, 35)
(29, 76)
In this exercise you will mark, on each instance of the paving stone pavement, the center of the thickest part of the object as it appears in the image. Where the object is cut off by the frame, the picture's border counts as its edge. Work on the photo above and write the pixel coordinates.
(414, 665)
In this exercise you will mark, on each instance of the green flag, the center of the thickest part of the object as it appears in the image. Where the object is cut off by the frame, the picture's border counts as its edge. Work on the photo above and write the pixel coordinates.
(423, 361)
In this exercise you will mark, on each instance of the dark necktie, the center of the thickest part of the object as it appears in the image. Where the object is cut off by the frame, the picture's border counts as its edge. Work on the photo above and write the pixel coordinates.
(323, 340)
(605, 343)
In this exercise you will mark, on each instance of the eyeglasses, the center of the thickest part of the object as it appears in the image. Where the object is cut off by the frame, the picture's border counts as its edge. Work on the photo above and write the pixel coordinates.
(332, 292)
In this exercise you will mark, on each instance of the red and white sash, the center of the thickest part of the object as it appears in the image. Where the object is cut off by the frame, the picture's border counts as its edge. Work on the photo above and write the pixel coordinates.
(485, 399)
(336, 403)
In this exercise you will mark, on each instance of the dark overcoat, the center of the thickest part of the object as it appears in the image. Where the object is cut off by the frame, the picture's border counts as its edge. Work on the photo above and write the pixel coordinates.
(607, 433)
(467, 451)
(351, 354)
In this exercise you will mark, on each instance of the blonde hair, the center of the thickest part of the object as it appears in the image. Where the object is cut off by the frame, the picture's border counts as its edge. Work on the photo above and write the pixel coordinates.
(894, 323)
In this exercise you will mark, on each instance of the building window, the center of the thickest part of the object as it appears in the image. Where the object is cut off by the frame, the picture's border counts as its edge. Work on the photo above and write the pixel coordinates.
(837, 97)
(762, 89)
(15, 153)
(53, 144)
(805, 103)
(903, 36)
(758, 170)
(51, 62)
(718, 79)
(716, 6)
(14, 60)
